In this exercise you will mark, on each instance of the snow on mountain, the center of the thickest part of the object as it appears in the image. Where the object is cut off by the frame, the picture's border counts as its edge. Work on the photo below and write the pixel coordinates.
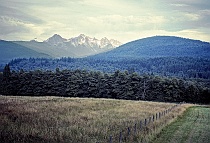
(105, 43)
(115, 43)
(55, 40)
(83, 40)
(80, 46)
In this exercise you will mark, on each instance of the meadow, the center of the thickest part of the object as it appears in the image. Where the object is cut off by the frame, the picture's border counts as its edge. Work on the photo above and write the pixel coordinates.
(83, 120)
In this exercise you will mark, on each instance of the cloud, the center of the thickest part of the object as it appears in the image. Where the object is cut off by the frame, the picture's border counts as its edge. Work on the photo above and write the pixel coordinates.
(192, 16)
(191, 33)
(179, 5)
(120, 19)
(15, 28)
(122, 23)
(12, 12)
(10, 25)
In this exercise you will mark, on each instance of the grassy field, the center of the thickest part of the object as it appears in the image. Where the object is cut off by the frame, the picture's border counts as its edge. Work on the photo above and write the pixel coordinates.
(56, 119)
(193, 127)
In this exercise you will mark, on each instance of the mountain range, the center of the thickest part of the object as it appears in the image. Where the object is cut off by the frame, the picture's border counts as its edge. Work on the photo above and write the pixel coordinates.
(161, 55)
(80, 46)
(56, 47)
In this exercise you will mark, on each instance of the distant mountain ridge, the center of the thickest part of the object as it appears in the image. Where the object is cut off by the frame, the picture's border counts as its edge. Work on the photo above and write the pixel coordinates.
(160, 46)
(84, 40)
(10, 50)
(76, 47)
(55, 47)
(83, 43)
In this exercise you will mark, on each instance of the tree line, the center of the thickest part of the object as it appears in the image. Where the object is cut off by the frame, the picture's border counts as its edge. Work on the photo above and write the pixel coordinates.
(118, 85)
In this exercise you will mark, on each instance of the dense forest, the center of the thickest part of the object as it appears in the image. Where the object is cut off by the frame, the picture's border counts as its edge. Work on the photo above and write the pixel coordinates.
(117, 85)
(183, 67)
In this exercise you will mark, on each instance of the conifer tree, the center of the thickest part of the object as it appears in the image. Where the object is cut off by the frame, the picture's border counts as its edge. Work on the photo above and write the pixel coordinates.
(6, 72)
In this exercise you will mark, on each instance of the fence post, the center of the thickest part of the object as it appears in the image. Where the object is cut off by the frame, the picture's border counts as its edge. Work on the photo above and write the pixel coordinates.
(140, 125)
(129, 131)
(120, 138)
(110, 139)
(135, 128)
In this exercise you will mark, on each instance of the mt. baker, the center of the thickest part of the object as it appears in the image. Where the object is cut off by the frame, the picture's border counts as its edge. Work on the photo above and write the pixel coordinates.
(81, 46)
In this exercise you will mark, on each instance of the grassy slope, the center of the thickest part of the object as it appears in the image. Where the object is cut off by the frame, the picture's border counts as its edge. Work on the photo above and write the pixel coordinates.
(192, 127)
(54, 119)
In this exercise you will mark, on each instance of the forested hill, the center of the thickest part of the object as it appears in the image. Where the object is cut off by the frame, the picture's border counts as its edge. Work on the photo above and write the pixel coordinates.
(160, 46)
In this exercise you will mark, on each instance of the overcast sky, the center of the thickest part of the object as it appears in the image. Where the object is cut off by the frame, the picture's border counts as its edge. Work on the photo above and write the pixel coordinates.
(124, 20)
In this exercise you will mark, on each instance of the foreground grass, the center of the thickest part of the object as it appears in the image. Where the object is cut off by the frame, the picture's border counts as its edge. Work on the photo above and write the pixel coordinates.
(54, 119)
(193, 127)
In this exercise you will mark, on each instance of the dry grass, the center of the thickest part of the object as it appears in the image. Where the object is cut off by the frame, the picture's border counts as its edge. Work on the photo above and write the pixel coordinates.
(56, 119)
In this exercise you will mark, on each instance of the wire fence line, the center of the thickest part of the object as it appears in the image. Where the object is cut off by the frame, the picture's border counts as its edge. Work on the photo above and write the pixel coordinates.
(141, 127)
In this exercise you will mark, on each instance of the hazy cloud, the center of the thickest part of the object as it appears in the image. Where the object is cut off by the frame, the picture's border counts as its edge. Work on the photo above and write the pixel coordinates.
(120, 19)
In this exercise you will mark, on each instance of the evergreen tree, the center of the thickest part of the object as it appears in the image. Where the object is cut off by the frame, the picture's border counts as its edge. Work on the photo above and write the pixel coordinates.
(6, 72)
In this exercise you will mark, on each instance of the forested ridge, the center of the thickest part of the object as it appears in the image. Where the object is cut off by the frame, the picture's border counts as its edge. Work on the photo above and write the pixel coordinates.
(184, 67)
(117, 85)
(160, 46)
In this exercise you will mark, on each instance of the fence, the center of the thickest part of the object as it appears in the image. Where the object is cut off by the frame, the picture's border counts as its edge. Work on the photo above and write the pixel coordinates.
(138, 128)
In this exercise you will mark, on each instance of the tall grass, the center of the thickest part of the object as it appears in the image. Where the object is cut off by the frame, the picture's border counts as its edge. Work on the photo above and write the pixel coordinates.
(56, 119)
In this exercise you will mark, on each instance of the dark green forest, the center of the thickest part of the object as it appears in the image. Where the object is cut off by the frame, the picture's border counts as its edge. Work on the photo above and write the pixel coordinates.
(118, 85)
(183, 67)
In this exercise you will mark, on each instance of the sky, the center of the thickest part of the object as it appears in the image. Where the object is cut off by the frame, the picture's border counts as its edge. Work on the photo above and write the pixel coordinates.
(123, 20)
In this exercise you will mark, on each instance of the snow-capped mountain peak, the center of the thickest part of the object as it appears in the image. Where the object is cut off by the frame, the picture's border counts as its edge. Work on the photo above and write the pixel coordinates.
(82, 36)
(115, 43)
(105, 42)
(82, 39)
(55, 39)
(79, 40)
(83, 43)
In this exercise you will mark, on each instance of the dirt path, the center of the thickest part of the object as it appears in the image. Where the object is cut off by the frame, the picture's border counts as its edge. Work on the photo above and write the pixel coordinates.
(192, 127)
